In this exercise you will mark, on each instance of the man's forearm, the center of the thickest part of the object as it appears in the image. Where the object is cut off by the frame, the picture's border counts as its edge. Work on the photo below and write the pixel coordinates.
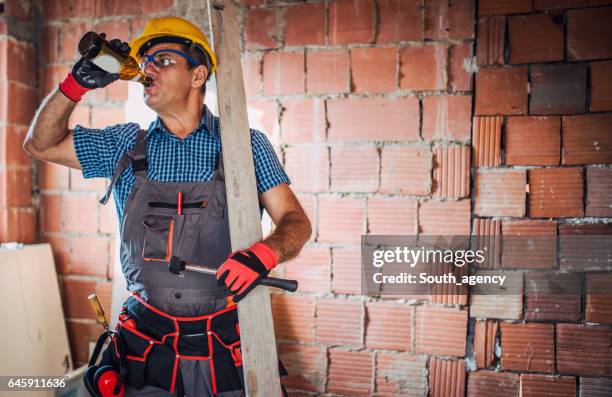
(50, 123)
(290, 235)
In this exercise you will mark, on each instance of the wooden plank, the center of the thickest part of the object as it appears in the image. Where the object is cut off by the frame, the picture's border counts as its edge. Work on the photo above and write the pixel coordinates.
(259, 355)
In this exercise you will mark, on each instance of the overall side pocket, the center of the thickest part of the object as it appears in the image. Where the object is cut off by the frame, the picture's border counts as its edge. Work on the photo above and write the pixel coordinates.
(157, 245)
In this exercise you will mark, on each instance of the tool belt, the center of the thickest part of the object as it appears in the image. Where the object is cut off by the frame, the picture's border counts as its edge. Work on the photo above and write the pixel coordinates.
(155, 341)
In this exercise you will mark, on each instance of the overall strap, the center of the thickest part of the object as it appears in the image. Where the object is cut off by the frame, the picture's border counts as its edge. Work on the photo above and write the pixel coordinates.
(219, 173)
(137, 157)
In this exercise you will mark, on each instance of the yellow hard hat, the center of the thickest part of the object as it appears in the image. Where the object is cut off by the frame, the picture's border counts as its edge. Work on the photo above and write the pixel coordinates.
(168, 28)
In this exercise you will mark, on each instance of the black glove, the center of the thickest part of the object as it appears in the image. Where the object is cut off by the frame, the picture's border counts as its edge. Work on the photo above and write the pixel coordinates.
(89, 75)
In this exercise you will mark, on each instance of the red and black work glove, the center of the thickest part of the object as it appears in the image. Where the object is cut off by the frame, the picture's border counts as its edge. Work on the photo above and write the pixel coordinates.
(86, 75)
(243, 270)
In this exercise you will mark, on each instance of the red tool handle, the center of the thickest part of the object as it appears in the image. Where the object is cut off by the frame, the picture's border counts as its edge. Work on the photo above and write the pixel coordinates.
(179, 207)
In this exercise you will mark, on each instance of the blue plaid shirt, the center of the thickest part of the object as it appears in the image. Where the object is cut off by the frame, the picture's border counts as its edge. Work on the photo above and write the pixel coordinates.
(170, 159)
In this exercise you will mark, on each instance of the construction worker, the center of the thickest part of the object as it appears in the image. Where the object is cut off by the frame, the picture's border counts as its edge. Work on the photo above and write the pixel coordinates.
(179, 335)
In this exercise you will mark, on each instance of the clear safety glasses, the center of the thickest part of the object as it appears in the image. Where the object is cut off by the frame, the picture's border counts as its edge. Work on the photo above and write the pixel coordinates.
(162, 59)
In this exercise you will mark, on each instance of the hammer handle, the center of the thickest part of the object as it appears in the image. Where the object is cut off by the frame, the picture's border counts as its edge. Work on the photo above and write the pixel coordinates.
(97, 307)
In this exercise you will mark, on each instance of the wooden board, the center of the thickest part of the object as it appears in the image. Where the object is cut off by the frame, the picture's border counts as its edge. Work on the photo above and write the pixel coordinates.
(259, 355)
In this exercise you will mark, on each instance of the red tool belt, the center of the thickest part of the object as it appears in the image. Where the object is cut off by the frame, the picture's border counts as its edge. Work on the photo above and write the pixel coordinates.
(155, 341)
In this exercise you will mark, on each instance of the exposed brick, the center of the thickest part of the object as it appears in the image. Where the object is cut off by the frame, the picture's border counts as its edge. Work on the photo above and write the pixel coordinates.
(11, 148)
(19, 103)
(549, 44)
(50, 213)
(306, 366)
(341, 219)
(533, 140)
(79, 213)
(601, 86)
(150, 7)
(350, 372)
(584, 349)
(589, 33)
(55, 9)
(599, 192)
(393, 15)
(260, 29)
(587, 139)
(312, 268)
(15, 187)
(392, 215)
(388, 326)
(490, 41)
(308, 167)
(558, 89)
(117, 7)
(495, 302)
(283, 73)
(529, 244)
(595, 387)
(346, 273)
(309, 204)
(486, 141)
(405, 170)
(354, 169)
(80, 335)
(444, 218)
(79, 183)
(485, 333)
(556, 192)
(598, 298)
(108, 218)
(104, 291)
(70, 34)
(294, 317)
(559, 4)
(351, 21)
(52, 176)
(18, 224)
(373, 118)
(19, 65)
(441, 330)
(447, 117)
(492, 7)
(103, 117)
(305, 24)
(89, 255)
(265, 116)
(80, 116)
(303, 121)
(423, 67)
(113, 29)
(487, 233)
(74, 298)
(491, 383)
(374, 69)
(534, 385)
(451, 171)
(576, 239)
(459, 73)
(499, 192)
(339, 321)
(446, 378)
(527, 347)
(446, 20)
(327, 71)
(400, 374)
(501, 91)
(251, 68)
(50, 77)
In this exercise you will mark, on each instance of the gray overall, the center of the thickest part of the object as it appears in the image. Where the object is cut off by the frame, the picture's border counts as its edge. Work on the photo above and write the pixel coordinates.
(152, 232)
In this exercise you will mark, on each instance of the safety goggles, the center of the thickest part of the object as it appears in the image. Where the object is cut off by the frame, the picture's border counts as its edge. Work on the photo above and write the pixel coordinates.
(162, 60)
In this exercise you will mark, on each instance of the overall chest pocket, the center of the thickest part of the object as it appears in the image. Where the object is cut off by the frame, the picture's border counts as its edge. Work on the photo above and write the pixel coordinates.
(158, 234)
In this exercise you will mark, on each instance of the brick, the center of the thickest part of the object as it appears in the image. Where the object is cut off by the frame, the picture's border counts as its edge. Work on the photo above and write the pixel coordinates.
(60, 245)
(444, 218)
(446, 378)
(117, 7)
(485, 334)
(113, 29)
(312, 268)
(305, 24)
(283, 73)
(308, 169)
(486, 141)
(459, 73)
(451, 171)
(104, 117)
(499, 192)
(587, 140)
(350, 372)
(15, 187)
(52, 176)
(74, 298)
(339, 321)
(341, 219)
(598, 298)
(445, 20)
(533, 140)
(306, 366)
(117, 92)
(266, 116)
(20, 68)
(490, 40)
(529, 244)
(405, 170)
(489, 383)
(440, 330)
(80, 116)
(79, 213)
(374, 69)
(21, 103)
(595, 387)
(346, 273)
(108, 218)
(251, 68)
(501, 91)
(558, 89)
(487, 234)
(303, 121)
(447, 117)
(89, 256)
(556, 192)
(50, 213)
(18, 224)
(79, 183)
(589, 33)
(309, 204)
(354, 169)
(104, 290)
(11, 149)
(373, 118)
(495, 302)
(577, 239)
(55, 9)
(400, 374)
(294, 317)
(392, 215)
(80, 335)
(493, 7)
(150, 7)
(327, 71)
(69, 36)
(584, 349)
(18, 10)
(423, 67)
(560, 4)
(527, 347)
(601, 86)
(388, 326)
(599, 192)
(260, 29)
(392, 15)
(50, 77)
(351, 21)
(549, 45)
(534, 385)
